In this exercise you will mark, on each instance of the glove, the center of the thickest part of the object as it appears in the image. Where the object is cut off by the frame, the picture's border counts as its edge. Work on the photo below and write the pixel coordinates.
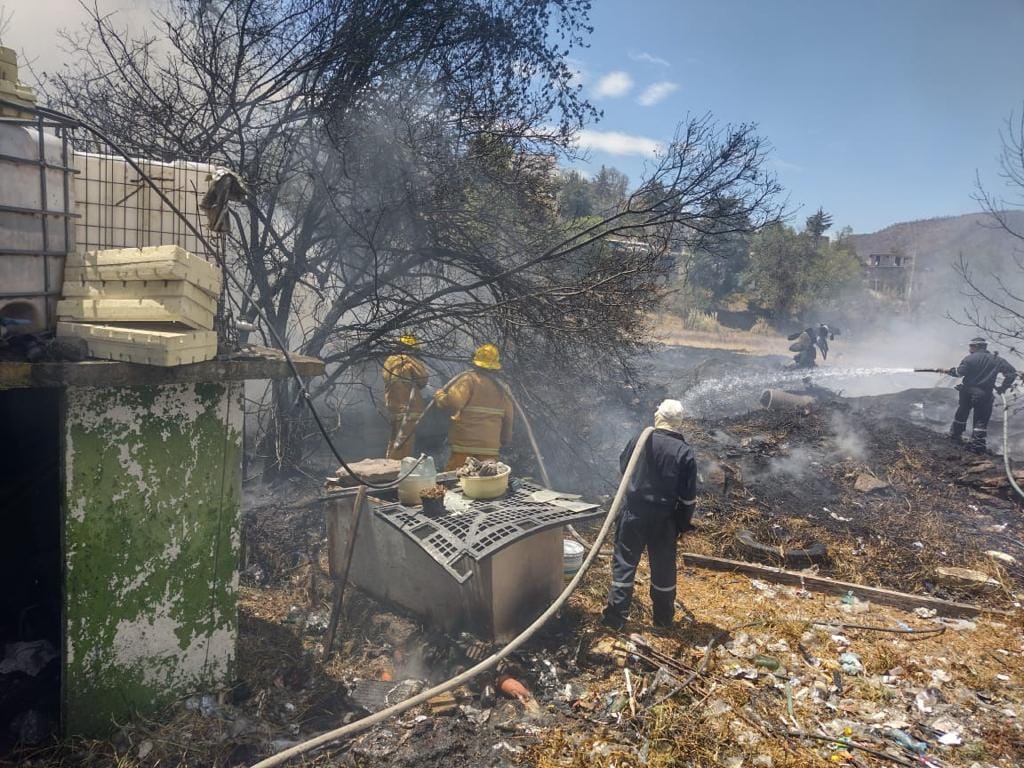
(951, 372)
(683, 513)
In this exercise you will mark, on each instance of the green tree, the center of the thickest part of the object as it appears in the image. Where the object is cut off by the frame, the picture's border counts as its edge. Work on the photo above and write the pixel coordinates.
(818, 223)
(609, 189)
(792, 273)
(575, 196)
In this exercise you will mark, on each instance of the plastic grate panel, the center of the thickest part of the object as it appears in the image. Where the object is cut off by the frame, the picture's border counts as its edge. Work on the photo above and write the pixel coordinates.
(483, 529)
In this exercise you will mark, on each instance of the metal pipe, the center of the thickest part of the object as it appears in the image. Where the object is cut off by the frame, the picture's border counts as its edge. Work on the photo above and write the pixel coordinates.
(778, 399)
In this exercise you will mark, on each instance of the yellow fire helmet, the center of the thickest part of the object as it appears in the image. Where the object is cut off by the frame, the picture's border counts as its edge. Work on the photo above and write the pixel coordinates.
(488, 357)
(409, 341)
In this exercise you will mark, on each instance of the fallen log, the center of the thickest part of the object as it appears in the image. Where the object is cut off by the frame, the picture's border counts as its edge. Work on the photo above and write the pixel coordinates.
(831, 586)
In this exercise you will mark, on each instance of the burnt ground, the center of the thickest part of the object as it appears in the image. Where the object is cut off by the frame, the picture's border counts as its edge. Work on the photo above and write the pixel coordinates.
(792, 481)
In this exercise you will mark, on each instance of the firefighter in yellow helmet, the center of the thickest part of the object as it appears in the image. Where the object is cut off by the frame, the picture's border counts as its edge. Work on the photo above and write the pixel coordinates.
(481, 412)
(404, 376)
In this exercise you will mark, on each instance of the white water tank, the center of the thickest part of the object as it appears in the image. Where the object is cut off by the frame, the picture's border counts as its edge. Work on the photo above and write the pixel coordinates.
(36, 230)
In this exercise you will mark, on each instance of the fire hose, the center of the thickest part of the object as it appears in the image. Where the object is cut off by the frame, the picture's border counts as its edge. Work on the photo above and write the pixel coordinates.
(1006, 447)
(396, 709)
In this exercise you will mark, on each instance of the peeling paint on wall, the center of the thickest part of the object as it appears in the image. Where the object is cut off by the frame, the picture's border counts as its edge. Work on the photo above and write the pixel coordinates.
(151, 538)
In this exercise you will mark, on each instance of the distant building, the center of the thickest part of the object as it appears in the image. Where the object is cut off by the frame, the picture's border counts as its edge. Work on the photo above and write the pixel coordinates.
(889, 273)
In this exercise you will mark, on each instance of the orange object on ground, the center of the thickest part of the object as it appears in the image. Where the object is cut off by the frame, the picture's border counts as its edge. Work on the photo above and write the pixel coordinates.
(514, 689)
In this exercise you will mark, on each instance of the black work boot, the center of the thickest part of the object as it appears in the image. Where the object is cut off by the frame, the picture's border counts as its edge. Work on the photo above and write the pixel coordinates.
(613, 619)
(664, 622)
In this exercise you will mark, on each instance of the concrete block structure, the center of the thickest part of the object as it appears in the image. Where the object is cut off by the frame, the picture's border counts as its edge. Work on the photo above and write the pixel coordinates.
(121, 503)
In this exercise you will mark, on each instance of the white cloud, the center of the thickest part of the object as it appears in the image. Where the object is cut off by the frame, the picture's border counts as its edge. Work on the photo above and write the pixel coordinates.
(656, 92)
(617, 143)
(614, 84)
(648, 58)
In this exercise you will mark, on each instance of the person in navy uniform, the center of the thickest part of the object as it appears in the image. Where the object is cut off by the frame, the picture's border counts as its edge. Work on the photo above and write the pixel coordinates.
(979, 371)
(660, 501)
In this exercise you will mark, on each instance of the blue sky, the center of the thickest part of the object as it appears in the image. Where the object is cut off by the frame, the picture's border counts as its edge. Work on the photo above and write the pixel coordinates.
(879, 110)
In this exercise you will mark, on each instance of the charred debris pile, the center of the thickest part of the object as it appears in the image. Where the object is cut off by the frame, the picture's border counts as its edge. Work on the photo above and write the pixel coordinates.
(862, 497)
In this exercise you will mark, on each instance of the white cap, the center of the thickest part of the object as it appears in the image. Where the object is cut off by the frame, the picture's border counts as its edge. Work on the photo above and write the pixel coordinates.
(669, 412)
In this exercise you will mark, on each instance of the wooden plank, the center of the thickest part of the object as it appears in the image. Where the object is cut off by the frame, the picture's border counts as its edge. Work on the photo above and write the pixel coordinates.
(829, 586)
(250, 364)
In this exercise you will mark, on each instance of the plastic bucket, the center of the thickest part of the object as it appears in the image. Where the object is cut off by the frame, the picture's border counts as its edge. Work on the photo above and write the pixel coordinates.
(485, 487)
(572, 556)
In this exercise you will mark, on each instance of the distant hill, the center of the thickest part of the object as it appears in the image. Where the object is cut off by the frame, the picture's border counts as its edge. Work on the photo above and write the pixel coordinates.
(936, 245)
(938, 242)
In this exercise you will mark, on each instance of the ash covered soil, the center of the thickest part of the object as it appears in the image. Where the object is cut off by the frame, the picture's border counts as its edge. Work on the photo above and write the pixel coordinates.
(754, 674)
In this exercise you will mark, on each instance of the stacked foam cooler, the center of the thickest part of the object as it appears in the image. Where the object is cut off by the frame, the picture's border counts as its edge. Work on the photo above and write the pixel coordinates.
(141, 305)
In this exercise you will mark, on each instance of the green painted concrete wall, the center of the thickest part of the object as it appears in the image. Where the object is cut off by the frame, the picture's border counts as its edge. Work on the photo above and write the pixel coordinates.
(151, 539)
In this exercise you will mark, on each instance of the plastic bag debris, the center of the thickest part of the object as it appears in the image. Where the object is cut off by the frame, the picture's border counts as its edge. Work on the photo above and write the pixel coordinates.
(851, 663)
(925, 613)
(29, 658)
(925, 700)
(907, 741)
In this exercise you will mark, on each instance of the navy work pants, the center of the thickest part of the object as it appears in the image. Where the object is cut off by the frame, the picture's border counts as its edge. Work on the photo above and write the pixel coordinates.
(652, 528)
(980, 401)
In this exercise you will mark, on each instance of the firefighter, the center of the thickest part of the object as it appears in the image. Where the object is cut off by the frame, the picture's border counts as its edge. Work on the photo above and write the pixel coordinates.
(404, 376)
(481, 411)
(660, 500)
(804, 346)
(808, 342)
(979, 371)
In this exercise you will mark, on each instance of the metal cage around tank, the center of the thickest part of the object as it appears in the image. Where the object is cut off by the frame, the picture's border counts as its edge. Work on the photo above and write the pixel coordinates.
(64, 189)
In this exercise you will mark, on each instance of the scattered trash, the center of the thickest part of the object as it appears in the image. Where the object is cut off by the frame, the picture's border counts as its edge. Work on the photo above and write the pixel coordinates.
(29, 658)
(957, 625)
(965, 578)
(316, 623)
(144, 749)
(506, 747)
(907, 741)
(375, 695)
(926, 699)
(206, 705)
(442, 704)
(768, 662)
(514, 689)
(764, 587)
(940, 676)
(851, 663)
(488, 696)
(1001, 556)
(925, 613)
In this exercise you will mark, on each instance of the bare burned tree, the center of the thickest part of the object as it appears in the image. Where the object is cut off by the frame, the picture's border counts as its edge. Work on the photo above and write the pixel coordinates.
(996, 297)
(401, 162)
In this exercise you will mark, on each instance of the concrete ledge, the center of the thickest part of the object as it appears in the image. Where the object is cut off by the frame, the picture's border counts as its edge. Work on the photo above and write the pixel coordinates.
(250, 363)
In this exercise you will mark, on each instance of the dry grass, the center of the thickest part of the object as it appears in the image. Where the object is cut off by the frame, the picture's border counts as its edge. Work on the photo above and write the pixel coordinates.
(685, 732)
(708, 334)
